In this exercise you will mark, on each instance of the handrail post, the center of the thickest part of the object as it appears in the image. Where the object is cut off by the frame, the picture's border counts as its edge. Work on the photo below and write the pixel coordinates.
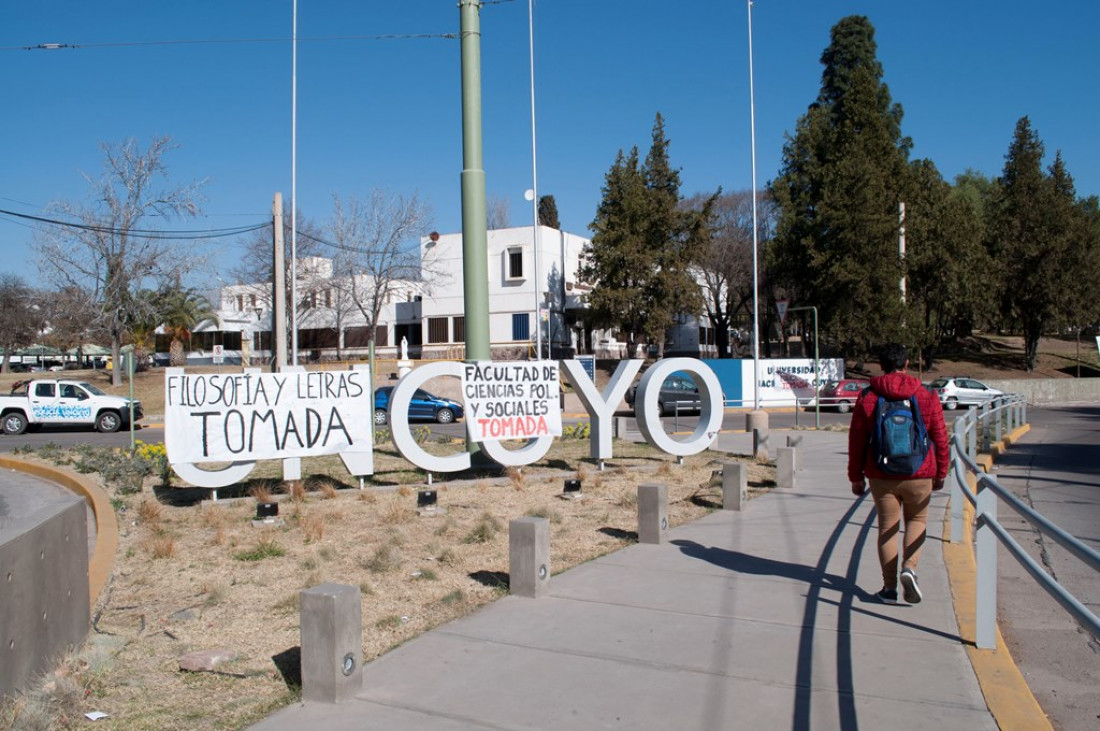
(985, 556)
(983, 416)
(999, 410)
(972, 433)
(958, 474)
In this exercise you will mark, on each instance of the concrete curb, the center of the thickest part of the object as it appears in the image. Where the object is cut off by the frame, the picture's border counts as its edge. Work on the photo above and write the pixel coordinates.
(106, 542)
(1007, 694)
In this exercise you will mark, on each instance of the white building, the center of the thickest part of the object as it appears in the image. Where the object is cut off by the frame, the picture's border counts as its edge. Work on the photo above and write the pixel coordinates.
(525, 292)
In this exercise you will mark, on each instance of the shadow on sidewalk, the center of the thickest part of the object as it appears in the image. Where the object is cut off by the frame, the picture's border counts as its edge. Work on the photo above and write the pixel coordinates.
(816, 579)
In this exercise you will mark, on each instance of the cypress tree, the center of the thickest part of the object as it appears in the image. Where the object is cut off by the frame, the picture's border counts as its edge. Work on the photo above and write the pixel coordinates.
(643, 246)
(836, 243)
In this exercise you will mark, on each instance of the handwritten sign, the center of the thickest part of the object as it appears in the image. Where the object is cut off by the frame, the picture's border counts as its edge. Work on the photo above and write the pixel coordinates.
(511, 400)
(248, 416)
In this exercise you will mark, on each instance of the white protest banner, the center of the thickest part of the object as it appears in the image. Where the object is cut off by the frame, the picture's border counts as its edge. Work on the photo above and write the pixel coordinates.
(216, 417)
(511, 400)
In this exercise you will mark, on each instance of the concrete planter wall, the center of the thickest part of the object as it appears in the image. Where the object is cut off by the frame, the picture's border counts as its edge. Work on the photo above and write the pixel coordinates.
(1052, 390)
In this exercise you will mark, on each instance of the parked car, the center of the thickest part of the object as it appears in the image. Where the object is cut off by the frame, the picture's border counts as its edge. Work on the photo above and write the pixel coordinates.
(49, 402)
(955, 391)
(423, 407)
(678, 394)
(841, 395)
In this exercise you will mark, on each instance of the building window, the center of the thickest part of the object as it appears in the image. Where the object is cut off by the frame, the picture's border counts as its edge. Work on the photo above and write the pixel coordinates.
(381, 335)
(253, 300)
(515, 262)
(458, 327)
(328, 298)
(437, 329)
(521, 326)
(240, 302)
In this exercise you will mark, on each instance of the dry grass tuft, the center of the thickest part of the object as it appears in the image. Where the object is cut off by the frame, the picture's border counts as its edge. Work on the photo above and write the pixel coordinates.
(150, 512)
(385, 558)
(313, 528)
(545, 511)
(162, 546)
(296, 489)
(405, 491)
(664, 467)
(219, 537)
(368, 497)
(396, 512)
(327, 490)
(517, 478)
(582, 471)
(485, 530)
(262, 493)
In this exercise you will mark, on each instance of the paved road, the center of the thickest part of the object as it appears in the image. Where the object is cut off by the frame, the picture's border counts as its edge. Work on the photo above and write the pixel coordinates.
(1054, 469)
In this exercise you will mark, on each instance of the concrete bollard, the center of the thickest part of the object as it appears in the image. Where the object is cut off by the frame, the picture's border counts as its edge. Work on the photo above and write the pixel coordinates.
(652, 513)
(734, 485)
(760, 444)
(529, 557)
(795, 442)
(784, 467)
(332, 643)
(620, 427)
(756, 420)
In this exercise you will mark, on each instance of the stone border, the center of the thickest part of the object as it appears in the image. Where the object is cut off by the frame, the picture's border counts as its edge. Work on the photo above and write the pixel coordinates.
(106, 541)
(1006, 693)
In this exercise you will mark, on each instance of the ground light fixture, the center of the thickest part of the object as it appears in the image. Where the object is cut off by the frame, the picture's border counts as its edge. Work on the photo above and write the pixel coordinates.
(426, 498)
(572, 486)
(266, 510)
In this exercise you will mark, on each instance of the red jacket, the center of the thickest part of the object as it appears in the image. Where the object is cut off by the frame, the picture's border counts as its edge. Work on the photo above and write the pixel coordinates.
(897, 385)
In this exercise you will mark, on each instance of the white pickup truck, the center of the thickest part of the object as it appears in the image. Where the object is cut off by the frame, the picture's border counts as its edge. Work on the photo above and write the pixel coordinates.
(48, 402)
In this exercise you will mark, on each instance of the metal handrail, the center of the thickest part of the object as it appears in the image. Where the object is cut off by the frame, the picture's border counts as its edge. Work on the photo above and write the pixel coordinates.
(1010, 412)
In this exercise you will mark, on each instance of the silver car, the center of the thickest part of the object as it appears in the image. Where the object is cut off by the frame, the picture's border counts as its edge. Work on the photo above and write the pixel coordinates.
(958, 391)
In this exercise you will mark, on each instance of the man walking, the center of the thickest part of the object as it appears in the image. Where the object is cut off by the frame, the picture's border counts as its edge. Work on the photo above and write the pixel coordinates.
(898, 497)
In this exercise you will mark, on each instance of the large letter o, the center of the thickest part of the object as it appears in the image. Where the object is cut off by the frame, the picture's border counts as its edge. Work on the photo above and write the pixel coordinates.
(710, 415)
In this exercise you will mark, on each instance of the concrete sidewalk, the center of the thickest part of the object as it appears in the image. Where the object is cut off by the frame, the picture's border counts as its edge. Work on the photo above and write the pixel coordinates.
(755, 620)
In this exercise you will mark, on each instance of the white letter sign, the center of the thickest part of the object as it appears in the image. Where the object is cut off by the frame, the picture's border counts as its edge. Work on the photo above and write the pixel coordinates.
(511, 400)
(215, 417)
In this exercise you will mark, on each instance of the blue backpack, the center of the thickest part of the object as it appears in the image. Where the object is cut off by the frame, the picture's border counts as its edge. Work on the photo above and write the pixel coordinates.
(899, 438)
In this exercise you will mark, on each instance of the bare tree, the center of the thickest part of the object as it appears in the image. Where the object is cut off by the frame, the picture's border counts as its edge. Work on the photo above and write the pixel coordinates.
(254, 275)
(72, 315)
(725, 264)
(21, 318)
(110, 252)
(496, 213)
(379, 257)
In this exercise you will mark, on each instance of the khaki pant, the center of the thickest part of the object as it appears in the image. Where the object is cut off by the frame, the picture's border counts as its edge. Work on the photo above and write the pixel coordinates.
(896, 500)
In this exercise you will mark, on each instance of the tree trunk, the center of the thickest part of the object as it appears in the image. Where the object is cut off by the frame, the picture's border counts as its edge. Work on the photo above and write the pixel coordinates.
(176, 357)
(1032, 333)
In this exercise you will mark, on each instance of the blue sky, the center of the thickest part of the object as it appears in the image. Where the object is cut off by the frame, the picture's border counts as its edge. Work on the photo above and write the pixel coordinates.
(386, 113)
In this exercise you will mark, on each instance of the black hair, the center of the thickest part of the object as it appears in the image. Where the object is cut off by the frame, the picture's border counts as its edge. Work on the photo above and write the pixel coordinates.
(892, 357)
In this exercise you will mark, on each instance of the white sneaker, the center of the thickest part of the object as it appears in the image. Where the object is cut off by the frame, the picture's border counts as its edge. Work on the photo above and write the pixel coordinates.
(909, 587)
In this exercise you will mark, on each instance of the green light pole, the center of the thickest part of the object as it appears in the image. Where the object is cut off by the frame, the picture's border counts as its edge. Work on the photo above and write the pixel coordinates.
(475, 238)
(817, 386)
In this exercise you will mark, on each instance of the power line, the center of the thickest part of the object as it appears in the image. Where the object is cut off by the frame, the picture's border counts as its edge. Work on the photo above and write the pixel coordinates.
(182, 235)
(225, 41)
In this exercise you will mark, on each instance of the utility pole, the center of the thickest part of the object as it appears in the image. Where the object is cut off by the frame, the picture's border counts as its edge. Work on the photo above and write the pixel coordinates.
(901, 246)
(475, 237)
(278, 288)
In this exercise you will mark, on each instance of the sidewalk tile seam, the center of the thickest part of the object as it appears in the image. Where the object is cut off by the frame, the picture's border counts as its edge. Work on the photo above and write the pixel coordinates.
(905, 696)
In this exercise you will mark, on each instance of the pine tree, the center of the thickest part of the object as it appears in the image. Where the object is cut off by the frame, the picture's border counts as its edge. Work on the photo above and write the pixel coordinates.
(548, 212)
(1033, 239)
(643, 246)
(838, 191)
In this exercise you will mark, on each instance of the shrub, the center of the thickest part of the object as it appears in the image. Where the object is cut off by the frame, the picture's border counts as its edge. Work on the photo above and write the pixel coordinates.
(484, 531)
(266, 548)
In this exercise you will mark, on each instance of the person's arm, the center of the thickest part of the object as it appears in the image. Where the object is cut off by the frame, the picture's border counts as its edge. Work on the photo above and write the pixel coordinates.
(857, 447)
(937, 432)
